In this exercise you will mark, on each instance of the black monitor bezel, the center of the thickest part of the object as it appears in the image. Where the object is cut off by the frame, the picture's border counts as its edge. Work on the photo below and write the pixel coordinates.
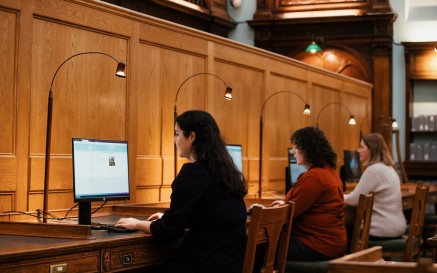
(348, 173)
(106, 197)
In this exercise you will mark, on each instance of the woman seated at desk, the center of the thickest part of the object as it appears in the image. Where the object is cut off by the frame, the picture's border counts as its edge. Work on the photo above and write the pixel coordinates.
(207, 197)
(388, 220)
(318, 231)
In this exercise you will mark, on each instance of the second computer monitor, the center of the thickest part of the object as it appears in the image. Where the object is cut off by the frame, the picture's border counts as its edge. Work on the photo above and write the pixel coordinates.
(236, 152)
(293, 171)
(352, 166)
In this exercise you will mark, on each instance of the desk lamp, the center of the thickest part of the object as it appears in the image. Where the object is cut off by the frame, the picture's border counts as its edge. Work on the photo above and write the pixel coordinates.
(306, 111)
(119, 73)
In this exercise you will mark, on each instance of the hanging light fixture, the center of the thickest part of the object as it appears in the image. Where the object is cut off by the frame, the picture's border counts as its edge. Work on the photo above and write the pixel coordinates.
(313, 47)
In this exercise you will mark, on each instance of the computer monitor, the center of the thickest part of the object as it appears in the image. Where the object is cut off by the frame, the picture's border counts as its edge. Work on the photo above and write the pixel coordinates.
(292, 171)
(236, 152)
(352, 166)
(100, 173)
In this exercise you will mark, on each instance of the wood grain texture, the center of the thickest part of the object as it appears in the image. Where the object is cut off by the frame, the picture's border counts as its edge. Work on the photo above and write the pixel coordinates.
(90, 102)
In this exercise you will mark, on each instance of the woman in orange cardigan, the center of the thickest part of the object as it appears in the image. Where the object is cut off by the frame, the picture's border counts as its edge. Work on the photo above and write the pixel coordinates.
(318, 231)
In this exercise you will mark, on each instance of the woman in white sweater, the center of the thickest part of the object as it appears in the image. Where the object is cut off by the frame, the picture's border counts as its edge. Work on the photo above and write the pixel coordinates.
(380, 177)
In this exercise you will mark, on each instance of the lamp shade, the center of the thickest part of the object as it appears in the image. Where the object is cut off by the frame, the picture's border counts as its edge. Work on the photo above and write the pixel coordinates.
(313, 47)
(120, 70)
(352, 120)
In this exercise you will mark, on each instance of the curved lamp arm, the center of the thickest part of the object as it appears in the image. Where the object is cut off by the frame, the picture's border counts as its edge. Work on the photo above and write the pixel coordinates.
(306, 111)
(352, 120)
(227, 96)
(362, 123)
(120, 72)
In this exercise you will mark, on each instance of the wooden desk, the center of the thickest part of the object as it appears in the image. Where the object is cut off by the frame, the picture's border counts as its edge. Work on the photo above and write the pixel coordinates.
(103, 252)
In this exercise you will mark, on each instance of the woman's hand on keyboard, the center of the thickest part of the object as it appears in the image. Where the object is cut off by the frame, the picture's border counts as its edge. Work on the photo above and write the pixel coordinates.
(155, 216)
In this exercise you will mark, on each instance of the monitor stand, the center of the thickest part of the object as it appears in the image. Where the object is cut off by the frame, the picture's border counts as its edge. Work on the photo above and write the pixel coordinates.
(84, 213)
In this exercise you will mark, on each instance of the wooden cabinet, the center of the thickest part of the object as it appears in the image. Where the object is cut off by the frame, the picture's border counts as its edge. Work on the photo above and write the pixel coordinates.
(421, 110)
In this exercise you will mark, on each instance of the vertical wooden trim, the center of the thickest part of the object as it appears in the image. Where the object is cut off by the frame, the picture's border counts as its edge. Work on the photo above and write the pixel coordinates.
(23, 88)
(131, 121)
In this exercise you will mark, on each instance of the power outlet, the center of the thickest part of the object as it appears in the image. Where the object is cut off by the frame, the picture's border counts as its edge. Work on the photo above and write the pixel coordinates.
(58, 268)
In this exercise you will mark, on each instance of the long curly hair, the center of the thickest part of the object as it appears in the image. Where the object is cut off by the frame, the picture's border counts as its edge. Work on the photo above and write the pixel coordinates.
(316, 149)
(209, 148)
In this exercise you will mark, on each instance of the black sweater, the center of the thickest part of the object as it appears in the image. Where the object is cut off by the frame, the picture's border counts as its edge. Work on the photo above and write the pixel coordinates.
(216, 236)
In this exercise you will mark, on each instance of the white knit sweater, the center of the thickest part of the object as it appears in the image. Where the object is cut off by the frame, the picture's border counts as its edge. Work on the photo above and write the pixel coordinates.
(388, 219)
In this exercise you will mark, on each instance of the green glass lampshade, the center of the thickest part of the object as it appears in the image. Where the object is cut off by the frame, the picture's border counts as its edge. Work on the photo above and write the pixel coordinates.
(313, 48)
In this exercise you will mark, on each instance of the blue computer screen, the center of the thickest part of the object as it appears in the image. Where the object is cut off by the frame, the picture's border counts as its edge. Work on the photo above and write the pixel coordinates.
(236, 152)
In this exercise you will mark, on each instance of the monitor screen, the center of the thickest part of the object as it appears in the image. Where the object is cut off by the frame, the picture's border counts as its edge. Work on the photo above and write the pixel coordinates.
(236, 152)
(100, 172)
(352, 167)
(295, 169)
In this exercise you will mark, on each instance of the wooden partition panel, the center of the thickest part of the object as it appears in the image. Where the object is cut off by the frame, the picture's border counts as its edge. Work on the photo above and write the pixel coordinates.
(89, 101)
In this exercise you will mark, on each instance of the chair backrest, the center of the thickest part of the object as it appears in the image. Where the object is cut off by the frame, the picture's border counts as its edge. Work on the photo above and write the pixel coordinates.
(270, 227)
(360, 236)
(416, 222)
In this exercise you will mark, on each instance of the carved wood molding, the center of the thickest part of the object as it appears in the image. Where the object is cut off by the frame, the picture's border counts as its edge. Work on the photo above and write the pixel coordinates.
(273, 9)
(208, 15)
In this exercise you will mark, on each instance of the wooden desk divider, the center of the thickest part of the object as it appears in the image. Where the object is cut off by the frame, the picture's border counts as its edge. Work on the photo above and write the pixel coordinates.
(50, 230)
(369, 260)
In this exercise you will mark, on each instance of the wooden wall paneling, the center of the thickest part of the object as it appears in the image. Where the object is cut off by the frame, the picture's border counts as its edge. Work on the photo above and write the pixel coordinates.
(325, 112)
(159, 57)
(14, 87)
(361, 106)
(249, 78)
(86, 14)
(282, 116)
(238, 119)
(8, 160)
(8, 36)
(133, 83)
(24, 71)
(7, 201)
(89, 101)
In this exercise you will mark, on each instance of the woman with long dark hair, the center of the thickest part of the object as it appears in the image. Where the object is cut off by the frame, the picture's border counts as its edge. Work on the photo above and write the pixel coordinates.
(207, 199)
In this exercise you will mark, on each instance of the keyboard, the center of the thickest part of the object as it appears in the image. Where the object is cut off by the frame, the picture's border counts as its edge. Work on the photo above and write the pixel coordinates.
(113, 228)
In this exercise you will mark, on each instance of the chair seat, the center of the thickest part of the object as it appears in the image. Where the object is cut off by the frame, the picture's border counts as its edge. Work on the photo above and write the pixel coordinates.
(430, 219)
(306, 267)
(390, 245)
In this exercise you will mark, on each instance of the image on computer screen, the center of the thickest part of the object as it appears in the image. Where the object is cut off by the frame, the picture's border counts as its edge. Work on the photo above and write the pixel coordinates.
(295, 169)
(236, 152)
(352, 167)
(100, 173)
(100, 170)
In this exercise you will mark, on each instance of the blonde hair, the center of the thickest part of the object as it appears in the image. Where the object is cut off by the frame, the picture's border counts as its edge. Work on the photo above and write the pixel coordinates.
(378, 150)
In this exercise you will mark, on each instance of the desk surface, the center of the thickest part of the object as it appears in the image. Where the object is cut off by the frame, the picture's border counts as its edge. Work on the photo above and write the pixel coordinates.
(104, 252)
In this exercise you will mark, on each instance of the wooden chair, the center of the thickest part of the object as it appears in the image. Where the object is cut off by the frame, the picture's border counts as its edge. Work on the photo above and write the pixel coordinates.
(408, 249)
(360, 236)
(269, 227)
(359, 242)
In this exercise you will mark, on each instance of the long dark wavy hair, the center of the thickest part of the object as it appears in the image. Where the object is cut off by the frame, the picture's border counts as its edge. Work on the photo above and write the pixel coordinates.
(209, 149)
(316, 149)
